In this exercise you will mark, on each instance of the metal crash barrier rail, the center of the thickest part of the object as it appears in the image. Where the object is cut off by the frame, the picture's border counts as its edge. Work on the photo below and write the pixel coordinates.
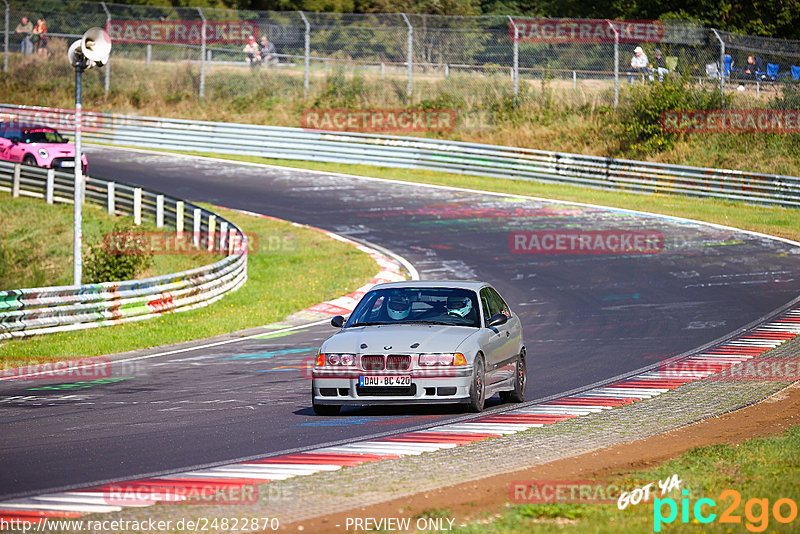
(418, 153)
(26, 312)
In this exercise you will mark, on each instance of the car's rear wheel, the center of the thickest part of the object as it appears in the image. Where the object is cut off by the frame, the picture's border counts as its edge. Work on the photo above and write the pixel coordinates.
(29, 160)
(518, 393)
(324, 409)
(477, 388)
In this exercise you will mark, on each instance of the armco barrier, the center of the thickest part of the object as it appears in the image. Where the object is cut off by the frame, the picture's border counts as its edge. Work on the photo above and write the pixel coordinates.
(430, 154)
(26, 312)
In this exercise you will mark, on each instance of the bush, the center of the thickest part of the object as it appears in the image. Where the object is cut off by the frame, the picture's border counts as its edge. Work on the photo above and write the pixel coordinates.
(105, 263)
(639, 128)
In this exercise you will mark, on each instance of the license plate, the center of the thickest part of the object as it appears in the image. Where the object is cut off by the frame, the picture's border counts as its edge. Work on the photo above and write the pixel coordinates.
(384, 381)
(68, 163)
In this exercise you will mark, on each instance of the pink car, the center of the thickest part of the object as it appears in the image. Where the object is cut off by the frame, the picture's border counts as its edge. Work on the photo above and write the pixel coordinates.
(38, 145)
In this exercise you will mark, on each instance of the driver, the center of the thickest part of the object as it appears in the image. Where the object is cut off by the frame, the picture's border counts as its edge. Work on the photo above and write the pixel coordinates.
(459, 306)
(398, 307)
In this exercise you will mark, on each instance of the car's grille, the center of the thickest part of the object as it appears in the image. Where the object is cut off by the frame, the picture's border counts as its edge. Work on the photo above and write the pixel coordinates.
(372, 362)
(386, 391)
(397, 362)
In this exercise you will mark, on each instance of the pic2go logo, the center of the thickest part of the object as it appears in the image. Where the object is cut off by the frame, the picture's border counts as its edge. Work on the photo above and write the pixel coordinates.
(756, 511)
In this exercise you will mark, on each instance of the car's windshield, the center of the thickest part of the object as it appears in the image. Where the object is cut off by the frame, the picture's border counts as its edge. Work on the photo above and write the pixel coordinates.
(429, 305)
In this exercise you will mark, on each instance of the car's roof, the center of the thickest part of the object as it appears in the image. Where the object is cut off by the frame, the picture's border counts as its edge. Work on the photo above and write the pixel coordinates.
(474, 285)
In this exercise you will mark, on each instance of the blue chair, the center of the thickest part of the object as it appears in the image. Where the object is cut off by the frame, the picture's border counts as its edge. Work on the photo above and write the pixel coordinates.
(795, 72)
(772, 71)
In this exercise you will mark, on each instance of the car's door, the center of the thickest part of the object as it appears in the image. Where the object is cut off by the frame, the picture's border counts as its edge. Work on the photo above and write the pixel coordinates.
(511, 336)
(493, 340)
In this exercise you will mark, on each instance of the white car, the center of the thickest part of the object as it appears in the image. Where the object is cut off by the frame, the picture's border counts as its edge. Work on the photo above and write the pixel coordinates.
(422, 342)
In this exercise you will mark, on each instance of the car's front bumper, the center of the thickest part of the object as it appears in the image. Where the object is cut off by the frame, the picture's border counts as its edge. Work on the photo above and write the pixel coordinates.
(449, 387)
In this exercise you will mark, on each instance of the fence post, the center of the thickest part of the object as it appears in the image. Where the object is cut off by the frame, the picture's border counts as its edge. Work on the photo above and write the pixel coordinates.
(202, 91)
(111, 201)
(5, 39)
(196, 219)
(48, 191)
(149, 53)
(212, 224)
(15, 182)
(410, 58)
(159, 211)
(721, 66)
(223, 235)
(616, 63)
(515, 72)
(137, 206)
(179, 219)
(108, 26)
(307, 54)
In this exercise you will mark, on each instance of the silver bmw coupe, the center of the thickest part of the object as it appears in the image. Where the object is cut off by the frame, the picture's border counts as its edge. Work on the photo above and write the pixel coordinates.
(422, 342)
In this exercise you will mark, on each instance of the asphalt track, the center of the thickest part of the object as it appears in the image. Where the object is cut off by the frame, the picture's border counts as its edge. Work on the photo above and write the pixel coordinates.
(587, 317)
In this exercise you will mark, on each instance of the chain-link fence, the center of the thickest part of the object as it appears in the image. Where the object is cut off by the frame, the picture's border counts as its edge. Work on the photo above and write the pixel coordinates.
(400, 60)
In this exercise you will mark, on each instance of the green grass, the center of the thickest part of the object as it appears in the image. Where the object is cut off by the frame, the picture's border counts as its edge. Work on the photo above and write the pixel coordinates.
(292, 269)
(36, 243)
(776, 221)
(763, 468)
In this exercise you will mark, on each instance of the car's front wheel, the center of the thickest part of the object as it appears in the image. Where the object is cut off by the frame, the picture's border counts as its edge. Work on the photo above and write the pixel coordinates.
(29, 160)
(477, 388)
(518, 393)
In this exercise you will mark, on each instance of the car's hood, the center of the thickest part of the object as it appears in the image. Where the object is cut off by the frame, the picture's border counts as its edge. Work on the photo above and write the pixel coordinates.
(399, 339)
(56, 148)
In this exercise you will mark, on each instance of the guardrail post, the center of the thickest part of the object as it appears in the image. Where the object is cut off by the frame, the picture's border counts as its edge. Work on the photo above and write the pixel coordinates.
(5, 39)
(202, 91)
(212, 223)
(223, 235)
(196, 236)
(108, 26)
(616, 63)
(112, 209)
(515, 71)
(307, 53)
(137, 206)
(51, 182)
(574, 80)
(179, 219)
(160, 211)
(149, 53)
(15, 182)
(410, 58)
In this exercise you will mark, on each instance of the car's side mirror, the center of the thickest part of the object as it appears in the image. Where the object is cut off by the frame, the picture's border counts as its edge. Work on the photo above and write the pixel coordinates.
(15, 140)
(337, 321)
(497, 319)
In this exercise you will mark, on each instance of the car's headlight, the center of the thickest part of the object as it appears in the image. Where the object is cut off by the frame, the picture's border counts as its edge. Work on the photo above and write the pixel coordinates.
(440, 358)
(335, 358)
(43, 153)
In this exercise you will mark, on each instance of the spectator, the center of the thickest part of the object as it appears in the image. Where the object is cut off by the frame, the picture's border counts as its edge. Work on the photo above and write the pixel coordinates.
(25, 30)
(268, 52)
(638, 64)
(251, 49)
(40, 37)
(661, 65)
(754, 68)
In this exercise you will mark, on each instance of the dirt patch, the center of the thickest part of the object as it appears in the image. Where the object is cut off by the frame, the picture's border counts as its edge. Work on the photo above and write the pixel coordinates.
(769, 417)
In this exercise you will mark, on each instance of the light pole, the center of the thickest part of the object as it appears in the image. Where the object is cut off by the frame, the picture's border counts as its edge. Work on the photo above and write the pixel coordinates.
(91, 50)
